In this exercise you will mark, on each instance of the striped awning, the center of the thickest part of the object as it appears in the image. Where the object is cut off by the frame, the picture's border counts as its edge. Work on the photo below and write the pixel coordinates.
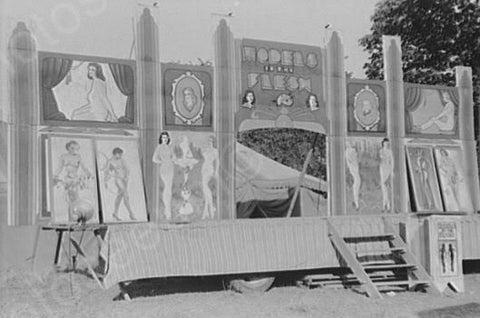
(138, 251)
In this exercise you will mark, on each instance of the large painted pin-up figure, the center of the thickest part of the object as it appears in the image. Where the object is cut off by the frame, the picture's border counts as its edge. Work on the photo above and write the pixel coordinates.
(165, 157)
(98, 106)
(73, 195)
(121, 180)
(209, 172)
(386, 173)
(431, 111)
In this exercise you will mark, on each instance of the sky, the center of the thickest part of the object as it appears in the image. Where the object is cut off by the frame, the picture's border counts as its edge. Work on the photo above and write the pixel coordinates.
(105, 27)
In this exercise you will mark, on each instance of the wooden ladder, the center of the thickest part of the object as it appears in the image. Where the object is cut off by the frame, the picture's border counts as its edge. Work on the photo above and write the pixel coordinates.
(397, 271)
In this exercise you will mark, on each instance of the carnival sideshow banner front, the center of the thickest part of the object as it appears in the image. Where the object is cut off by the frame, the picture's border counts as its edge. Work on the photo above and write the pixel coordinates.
(188, 173)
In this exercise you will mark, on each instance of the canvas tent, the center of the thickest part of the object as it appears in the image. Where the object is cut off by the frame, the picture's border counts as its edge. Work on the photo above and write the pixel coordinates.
(264, 187)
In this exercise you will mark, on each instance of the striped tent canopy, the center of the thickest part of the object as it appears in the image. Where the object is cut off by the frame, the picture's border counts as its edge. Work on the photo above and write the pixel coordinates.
(260, 178)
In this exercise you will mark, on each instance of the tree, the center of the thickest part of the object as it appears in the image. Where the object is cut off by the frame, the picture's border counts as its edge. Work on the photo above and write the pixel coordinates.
(437, 35)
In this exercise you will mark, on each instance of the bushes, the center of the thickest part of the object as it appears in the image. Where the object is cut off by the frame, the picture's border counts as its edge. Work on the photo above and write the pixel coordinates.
(289, 147)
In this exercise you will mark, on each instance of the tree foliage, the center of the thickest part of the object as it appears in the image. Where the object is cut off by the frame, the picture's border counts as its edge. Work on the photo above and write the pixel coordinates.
(437, 35)
(289, 147)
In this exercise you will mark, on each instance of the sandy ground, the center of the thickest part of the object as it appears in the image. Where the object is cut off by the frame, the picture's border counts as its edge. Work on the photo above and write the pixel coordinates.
(60, 294)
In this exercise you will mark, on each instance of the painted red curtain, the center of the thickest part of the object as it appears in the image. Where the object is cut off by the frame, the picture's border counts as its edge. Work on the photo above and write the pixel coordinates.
(53, 71)
(125, 80)
(413, 98)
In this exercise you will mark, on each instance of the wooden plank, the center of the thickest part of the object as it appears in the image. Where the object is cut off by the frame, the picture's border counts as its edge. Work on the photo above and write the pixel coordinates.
(402, 282)
(389, 266)
(381, 251)
(368, 238)
(352, 262)
(84, 257)
(419, 273)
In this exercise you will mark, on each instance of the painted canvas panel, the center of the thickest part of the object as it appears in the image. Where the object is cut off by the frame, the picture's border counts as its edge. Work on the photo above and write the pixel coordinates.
(453, 183)
(282, 86)
(120, 181)
(77, 89)
(369, 175)
(187, 93)
(188, 173)
(431, 111)
(366, 107)
(424, 179)
(72, 180)
(448, 257)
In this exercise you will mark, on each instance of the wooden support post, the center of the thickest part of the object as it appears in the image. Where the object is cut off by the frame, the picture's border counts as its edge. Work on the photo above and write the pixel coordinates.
(466, 133)
(23, 161)
(225, 105)
(337, 115)
(149, 106)
(392, 56)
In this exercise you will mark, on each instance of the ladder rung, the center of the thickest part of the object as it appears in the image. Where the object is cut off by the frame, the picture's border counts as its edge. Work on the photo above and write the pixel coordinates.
(381, 251)
(369, 238)
(401, 282)
(388, 266)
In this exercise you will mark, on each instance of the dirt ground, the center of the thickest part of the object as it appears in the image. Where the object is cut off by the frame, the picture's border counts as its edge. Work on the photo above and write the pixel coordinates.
(60, 294)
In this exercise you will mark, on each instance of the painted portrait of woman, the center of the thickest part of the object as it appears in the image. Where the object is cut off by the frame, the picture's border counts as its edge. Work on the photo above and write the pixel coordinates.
(165, 157)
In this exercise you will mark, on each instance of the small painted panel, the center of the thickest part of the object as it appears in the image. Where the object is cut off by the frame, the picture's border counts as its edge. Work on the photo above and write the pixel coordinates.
(281, 86)
(447, 230)
(187, 96)
(369, 175)
(120, 181)
(72, 195)
(424, 179)
(447, 248)
(81, 90)
(366, 107)
(453, 182)
(430, 111)
(188, 173)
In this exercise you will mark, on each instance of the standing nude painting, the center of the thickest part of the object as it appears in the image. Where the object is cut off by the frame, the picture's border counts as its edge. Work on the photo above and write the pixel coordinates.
(369, 175)
(120, 181)
(188, 174)
(424, 179)
(73, 192)
(453, 182)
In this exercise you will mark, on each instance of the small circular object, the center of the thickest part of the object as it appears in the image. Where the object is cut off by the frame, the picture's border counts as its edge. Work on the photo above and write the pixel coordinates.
(83, 211)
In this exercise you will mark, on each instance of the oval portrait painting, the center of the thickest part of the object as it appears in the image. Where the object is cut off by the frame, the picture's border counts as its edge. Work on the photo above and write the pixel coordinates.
(366, 109)
(188, 98)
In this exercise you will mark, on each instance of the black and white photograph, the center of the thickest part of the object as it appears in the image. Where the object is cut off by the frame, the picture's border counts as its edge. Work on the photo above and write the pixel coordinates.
(240, 158)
